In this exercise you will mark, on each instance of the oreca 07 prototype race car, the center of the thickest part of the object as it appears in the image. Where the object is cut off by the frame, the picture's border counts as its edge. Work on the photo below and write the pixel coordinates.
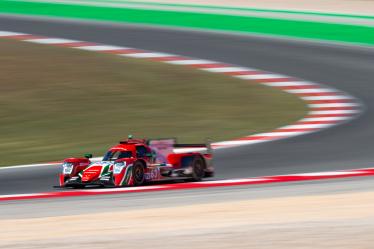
(135, 162)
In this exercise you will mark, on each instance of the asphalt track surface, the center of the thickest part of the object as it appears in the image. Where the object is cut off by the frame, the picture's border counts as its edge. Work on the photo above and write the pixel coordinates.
(347, 68)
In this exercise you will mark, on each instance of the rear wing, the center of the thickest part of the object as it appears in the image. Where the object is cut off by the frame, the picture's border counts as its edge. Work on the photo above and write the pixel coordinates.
(165, 146)
(203, 148)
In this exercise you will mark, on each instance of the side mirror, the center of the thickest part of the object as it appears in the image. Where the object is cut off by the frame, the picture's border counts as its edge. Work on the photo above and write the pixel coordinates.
(88, 156)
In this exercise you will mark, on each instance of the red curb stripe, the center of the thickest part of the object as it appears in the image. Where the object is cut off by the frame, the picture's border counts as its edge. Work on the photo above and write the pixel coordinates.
(343, 108)
(318, 94)
(275, 80)
(301, 87)
(74, 44)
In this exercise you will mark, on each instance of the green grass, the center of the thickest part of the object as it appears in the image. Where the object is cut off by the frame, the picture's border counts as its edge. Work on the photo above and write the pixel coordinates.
(60, 102)
(242, 24)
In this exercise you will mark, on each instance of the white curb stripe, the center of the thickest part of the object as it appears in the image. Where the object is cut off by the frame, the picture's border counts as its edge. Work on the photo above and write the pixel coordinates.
(261, 76)
(332, 97)
(191, 62)
(334, 112)
(334, 105)
(148, 55)
(325, 119)
(101, 48)
(228, 69)
(289, 83)
(312, 90)
(7, 33)
(51, 41)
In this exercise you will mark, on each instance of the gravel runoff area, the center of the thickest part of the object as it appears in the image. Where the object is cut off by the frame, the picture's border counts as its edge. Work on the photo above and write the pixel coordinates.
(333, 214)
(358, 7)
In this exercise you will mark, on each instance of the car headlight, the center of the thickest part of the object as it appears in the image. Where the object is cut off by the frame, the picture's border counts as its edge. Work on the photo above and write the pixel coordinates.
(118, 167)
(67, 168)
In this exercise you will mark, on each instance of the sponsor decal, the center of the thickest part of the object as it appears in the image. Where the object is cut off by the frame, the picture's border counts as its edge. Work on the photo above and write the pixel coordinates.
(154, 174)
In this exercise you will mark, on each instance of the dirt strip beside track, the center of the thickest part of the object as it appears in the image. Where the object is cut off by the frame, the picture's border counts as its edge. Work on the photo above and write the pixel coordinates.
(316, 221)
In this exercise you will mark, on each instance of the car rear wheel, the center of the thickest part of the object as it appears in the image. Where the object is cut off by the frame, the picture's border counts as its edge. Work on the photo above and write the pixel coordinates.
(138, 174)
(198, 169)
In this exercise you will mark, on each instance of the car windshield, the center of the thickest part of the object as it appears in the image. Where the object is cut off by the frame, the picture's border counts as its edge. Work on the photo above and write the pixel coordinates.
(116, 154)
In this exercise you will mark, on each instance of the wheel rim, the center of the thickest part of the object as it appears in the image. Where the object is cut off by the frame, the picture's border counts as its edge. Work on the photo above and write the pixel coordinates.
(138, 174)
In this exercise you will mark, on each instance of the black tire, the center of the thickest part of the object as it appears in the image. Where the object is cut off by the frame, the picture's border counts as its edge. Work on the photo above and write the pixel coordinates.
(138, 173)
(198, 169)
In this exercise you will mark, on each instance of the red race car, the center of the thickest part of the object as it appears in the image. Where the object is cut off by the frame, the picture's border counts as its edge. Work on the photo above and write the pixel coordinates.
(134, 162)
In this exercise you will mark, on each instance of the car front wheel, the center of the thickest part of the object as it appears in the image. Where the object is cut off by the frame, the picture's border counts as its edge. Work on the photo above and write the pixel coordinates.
(138, 174)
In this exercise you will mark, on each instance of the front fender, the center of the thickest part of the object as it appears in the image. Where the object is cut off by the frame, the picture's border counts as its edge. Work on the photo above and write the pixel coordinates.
(79, 164)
